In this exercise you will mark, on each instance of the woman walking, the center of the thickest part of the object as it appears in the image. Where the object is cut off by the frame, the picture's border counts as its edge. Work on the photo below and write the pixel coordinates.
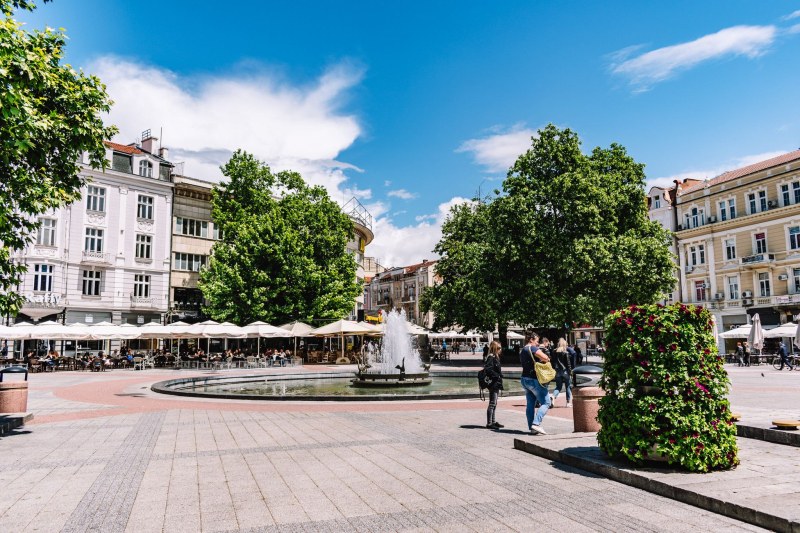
(563, 364)
(534, 391)
(495, 374)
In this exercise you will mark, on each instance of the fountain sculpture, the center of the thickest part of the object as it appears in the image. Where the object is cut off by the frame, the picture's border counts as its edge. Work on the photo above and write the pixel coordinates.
(397, 363)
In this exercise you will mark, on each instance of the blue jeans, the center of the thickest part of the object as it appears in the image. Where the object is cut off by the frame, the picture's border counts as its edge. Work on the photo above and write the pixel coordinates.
(534, 391)
(562, 377)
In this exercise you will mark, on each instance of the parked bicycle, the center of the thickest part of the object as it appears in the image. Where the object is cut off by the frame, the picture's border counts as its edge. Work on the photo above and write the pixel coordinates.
(793, 359)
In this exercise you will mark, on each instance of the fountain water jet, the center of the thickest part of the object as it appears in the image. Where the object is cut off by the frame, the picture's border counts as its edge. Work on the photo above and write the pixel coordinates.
(397, 363)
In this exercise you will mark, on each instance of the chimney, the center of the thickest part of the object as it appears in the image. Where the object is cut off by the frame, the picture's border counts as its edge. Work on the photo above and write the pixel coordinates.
(149, 142)
(163, 153)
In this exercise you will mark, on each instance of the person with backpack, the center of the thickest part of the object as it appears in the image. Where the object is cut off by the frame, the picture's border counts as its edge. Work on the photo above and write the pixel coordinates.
(562, 362)
(534, 391)
(494, 377)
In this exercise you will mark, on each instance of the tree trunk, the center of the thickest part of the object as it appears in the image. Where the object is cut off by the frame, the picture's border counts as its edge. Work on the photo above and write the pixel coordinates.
(502, 330)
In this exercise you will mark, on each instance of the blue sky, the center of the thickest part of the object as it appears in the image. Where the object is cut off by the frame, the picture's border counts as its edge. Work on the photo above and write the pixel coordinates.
(413, 106)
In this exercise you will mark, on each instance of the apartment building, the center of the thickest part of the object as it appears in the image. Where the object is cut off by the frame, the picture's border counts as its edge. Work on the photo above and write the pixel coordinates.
(362, 236)
(401, 288)
(106, 257)
(739, 242)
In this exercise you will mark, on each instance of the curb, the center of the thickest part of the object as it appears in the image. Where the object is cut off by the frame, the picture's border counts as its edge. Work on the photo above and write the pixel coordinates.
(10, 422)
(631, 478)
(777, 436)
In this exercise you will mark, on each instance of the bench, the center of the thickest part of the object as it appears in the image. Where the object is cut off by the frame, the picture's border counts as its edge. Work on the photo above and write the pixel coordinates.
(786, 424)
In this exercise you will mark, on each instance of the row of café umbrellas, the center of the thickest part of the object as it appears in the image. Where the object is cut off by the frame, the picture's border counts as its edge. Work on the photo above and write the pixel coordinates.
(755, 334)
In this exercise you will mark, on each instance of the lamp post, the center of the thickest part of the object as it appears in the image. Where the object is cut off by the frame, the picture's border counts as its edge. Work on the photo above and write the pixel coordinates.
(480, 198)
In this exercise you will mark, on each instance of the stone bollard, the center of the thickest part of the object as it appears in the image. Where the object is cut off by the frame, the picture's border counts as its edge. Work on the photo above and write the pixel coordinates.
(585, 406)
(13, 394)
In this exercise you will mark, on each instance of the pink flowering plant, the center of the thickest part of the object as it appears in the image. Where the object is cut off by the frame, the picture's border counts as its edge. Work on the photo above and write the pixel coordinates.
(666, 389)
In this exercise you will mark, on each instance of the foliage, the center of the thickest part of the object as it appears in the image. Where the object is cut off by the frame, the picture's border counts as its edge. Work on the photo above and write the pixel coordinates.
(559, 246)
(686, 418)
(283, 253)
(49, 116)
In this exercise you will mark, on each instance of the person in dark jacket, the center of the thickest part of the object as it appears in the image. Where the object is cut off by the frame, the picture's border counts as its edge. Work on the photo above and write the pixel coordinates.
(740, 353)
(784, 357)
(562, 362)
(495, 373)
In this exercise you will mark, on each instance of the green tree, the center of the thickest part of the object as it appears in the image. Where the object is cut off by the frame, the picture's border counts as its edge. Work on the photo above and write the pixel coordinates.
(567, 241)
(283, 252)
(49, 115)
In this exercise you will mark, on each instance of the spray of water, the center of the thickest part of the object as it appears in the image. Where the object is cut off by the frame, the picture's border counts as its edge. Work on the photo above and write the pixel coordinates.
(397, 348)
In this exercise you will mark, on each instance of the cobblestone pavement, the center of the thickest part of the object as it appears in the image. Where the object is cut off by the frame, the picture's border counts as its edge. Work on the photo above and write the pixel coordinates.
(106, 454)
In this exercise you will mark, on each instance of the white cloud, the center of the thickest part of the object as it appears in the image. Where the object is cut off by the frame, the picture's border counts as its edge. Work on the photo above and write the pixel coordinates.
(402, 194)
(499, 151)
(792, 15)
(387, 183)
(400, 246)
(204, 120)
(712, 172)
(658, 65)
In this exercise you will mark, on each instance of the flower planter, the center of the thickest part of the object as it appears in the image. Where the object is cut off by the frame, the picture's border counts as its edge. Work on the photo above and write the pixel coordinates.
(650, 389)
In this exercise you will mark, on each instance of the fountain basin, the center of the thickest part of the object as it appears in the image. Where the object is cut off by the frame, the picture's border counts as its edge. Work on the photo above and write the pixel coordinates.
(329, 386)
(378, 380)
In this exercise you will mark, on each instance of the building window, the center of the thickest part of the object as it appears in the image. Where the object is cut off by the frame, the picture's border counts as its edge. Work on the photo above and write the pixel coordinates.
(698, 217)
(785, 195)
(796, 276)
(164, 172)
(762, 199)
(141, 286)
(657, 202)
(47, 232)
(732, 208)
(190, 262)
(91, 282)
(723, 212)
(188, 226)
(730, 249)
(144, 246)
(216, 232)
(144, 207)
(94, 240)
(796, 190)
(43, 278)
(698, 254)
(700, 291)
(95, 199)
(733, 287)
(122, 163)
(751, 200)
(145, 168)
(794, 238)
(763, 283)
(761, 243)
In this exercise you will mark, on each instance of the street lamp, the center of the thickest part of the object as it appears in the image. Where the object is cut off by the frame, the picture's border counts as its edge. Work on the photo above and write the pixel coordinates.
(480, 199)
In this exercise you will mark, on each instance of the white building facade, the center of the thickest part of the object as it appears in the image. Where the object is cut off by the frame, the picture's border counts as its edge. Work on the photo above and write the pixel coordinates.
(106, 257)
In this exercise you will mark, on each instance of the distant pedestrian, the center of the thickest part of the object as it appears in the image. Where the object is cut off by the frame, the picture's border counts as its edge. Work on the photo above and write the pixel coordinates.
(578, 355)
(784, 357)
(740, 353)
(495, 374)
(485, 352)
(563, 364)
(746, 348)
(534, 391)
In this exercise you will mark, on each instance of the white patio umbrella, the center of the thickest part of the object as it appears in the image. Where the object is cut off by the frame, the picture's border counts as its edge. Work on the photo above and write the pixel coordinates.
(107, 330)
(224, 330)
(17, 332)
(57, 331)
(741, 332)
(514, 335)
(797, 334)
(756, 337)
(340, 328)
(259, 329)
(784, 330)
(297, 329)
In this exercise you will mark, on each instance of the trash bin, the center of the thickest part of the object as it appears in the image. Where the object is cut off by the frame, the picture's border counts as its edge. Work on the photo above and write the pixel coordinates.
(586, 394)
(13, 394)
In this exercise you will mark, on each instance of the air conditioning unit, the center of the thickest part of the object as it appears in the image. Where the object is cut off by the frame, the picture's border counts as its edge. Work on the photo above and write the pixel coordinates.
(783, 277)
(712, 219)
(719, 296)
(680, 227)
(689, 268)
(747, 294)
(747, 301)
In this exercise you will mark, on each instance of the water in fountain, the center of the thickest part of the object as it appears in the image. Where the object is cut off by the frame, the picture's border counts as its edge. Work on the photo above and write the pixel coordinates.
(396, 348)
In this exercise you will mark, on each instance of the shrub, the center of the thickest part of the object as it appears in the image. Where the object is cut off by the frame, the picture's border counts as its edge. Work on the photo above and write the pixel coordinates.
(666, 389)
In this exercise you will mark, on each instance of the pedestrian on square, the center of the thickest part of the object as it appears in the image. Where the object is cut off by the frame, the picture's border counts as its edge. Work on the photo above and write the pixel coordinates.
(534, 391)
(495, 373)
(784, 357)
(746, 348)
(740, 353)
(578, 355)
(485, 351)
(562, 362)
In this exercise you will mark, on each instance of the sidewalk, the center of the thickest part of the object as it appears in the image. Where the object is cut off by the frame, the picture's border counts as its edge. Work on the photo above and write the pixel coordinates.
(763, 490)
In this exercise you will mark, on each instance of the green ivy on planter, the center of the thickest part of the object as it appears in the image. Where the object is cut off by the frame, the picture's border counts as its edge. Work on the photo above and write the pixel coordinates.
(666, 389)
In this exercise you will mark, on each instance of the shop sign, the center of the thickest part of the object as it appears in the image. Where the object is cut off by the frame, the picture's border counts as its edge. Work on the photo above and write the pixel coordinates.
(47, 299)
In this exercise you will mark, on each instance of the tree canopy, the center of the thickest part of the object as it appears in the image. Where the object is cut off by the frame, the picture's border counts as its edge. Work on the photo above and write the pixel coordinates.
(568, 240)
(49, 115)
(283, 252)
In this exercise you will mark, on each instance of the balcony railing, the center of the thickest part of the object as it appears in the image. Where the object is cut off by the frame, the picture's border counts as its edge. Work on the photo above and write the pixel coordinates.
(757, 259)
(96, 257)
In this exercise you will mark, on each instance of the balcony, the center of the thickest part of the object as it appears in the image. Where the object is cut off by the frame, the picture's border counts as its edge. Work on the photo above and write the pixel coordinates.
(757, 260)
(95, 257)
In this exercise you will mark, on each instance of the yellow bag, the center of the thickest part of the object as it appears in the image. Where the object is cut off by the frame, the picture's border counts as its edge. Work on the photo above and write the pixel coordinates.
(545, 373)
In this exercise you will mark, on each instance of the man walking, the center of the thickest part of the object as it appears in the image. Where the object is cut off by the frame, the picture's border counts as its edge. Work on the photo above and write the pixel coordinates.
(784, 357)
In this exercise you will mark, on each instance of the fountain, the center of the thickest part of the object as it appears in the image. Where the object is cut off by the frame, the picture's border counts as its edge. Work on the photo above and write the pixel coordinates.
(397, 363)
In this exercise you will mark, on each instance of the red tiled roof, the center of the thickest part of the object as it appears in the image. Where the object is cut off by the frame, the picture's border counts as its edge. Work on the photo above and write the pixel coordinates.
(124, 148)
(410, 269)
(749, 169)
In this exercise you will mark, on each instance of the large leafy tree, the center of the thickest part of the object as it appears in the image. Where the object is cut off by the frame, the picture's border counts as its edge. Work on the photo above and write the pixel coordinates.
(283, 252)
(567, 241)
(49, 115)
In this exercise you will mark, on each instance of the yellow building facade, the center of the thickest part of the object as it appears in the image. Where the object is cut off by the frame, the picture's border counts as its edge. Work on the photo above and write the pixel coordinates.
(738, 242)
